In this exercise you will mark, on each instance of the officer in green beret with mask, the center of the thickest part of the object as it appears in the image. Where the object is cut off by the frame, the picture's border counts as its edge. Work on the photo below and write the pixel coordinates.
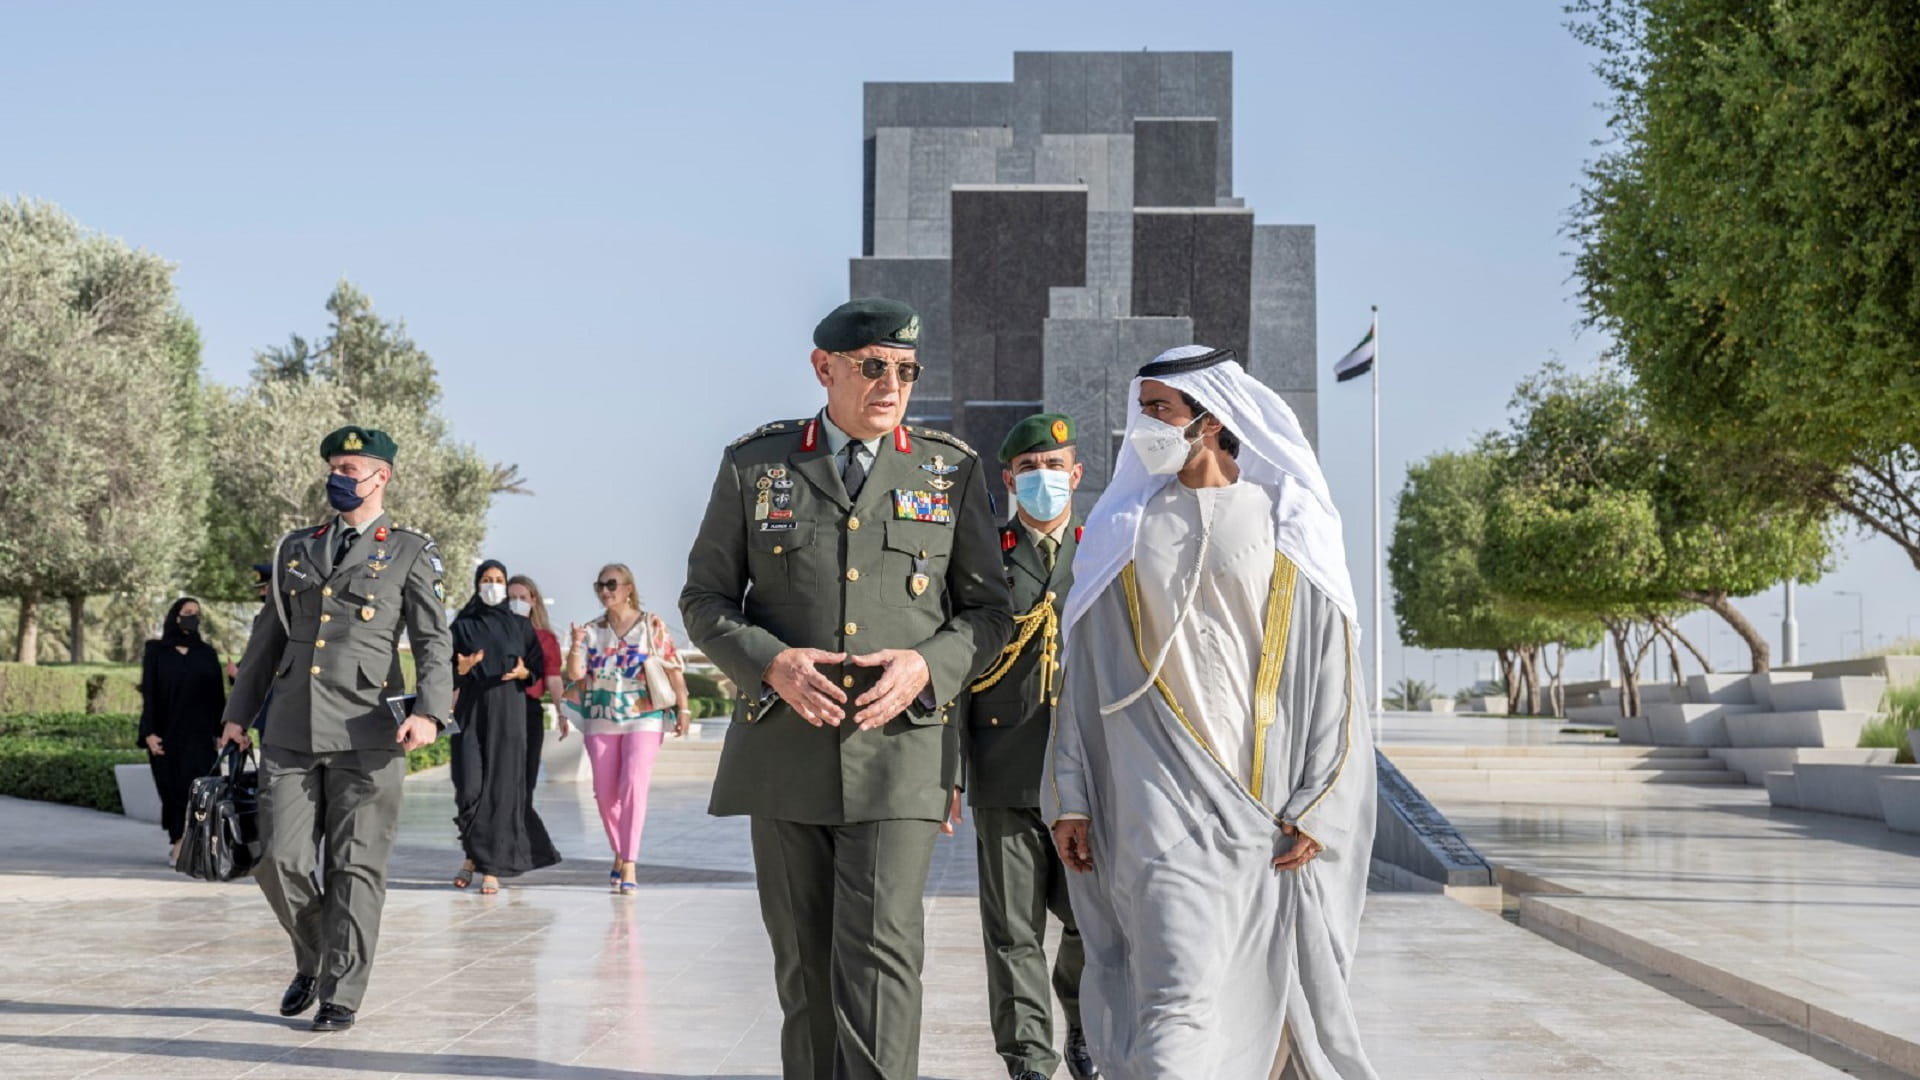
(1009, 716)
(847, 578)
(325, 647)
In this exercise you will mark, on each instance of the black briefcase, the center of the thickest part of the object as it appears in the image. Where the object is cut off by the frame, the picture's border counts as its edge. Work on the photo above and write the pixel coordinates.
(222, 838)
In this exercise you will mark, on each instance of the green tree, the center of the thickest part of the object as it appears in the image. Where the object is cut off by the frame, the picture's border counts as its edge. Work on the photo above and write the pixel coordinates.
(99, 488)
(268, 478)
(1441, 598)
(1749, 239)
(1600, 514)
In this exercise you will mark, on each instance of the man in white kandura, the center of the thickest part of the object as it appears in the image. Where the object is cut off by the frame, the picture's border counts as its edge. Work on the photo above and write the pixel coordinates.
(1211, 777)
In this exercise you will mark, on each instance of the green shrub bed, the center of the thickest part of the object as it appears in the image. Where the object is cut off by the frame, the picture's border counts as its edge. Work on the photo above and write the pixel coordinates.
(67, 757)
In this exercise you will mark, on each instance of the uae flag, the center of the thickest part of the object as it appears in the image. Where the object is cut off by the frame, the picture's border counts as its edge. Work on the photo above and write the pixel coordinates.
(1357, 362)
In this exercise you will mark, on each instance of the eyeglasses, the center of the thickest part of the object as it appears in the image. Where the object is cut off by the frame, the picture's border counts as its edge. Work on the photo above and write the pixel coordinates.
(873, 367)
(609, 585)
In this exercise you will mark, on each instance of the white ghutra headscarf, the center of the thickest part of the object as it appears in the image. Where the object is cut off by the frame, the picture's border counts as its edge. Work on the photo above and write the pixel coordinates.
(1274, 453)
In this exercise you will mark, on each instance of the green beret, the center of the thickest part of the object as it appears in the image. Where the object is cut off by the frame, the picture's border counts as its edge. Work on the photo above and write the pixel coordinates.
(367, 442)
(875, 320)
(1047, 431)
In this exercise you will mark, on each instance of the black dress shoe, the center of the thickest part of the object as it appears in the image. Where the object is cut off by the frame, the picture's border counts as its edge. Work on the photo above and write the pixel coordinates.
(333, 1017)
(299, 995)
(1079, 1063)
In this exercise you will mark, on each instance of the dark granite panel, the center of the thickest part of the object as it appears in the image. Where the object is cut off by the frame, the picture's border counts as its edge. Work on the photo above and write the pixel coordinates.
(1222, 273)
(947, 105)
(985, 427)
(1174, 162)
(1029, 98)
(1214, 89)
(1139, 87)
(1178, 75)
(927, 285)
(1106, 95)
(1162, 264)
(1010, 248)
(881, 105)
(992, 104)
(1066, 107)
(866, 195)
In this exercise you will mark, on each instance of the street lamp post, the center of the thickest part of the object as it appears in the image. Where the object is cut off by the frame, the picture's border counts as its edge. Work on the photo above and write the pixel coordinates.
(1862, 601)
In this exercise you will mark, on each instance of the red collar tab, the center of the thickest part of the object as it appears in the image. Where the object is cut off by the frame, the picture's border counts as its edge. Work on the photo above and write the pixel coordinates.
(1078, 532)
(1009, 539)
(810, 438)
(380, 535)
(322, 530)
(900, 440)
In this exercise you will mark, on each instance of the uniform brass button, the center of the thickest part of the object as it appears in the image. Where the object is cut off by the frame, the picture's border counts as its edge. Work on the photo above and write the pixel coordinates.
(314, 670)
(852, 629)
(853, 523)
(853, 575)
(777, 549)
(846, 681)
(326, 590)
(383, 684)
(995, 722)
(326, 618)
(946, 720)
(321, 644)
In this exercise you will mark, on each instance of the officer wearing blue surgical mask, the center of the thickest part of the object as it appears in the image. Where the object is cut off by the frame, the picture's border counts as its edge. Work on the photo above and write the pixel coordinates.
(1009, 713)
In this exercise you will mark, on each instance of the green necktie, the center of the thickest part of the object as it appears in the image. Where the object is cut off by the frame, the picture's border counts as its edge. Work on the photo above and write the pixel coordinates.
(1049, 550)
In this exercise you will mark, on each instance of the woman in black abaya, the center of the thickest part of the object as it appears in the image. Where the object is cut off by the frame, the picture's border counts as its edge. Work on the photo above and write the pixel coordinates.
(182, 694)
(496, 657)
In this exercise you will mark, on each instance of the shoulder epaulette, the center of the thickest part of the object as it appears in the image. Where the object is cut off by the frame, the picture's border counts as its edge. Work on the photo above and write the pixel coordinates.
(774, 428)
(421, 533)
(946, 437)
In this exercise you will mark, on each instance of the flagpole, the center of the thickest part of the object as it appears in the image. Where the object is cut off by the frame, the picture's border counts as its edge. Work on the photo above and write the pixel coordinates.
(1379, 599)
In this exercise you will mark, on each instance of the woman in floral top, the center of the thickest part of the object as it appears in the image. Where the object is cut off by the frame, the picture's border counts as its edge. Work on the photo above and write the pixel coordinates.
(623, 727)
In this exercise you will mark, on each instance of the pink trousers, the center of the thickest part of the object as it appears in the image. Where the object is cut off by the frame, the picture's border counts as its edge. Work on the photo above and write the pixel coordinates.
(622, 768)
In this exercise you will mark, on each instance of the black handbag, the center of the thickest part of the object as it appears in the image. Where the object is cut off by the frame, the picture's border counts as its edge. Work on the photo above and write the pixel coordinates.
(222, 837)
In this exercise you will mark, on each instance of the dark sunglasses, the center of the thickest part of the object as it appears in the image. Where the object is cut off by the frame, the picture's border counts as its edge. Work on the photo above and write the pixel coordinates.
(608, 585)
(873, 367)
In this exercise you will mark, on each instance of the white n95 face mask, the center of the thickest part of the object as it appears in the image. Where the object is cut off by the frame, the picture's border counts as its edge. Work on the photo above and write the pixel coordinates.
(522, 608)
(1162, 447)
(492, 592)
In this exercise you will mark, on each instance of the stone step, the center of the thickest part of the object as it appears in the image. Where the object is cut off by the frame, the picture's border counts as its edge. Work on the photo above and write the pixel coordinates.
(1692, 724)
(1412, 766)
(1583, 750)
(1824, 727)
(1850, 693)
(1757, 761)
(1424, 778)
(1852, 790)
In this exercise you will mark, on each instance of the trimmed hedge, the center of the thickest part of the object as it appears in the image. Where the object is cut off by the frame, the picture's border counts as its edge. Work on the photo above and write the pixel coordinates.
(67, 757)
(113, 694)
(31, 688)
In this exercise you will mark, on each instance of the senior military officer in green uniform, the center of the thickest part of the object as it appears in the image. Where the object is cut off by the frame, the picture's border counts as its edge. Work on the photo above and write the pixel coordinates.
(1009, 715)
(847, 578)
(326, 647)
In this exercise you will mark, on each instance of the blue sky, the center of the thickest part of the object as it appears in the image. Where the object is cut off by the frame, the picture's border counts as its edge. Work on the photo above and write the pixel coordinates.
(614, 225)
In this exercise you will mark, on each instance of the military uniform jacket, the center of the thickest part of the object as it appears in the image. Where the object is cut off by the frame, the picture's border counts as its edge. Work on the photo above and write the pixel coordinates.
(337, 660)
(785, 559)
(1008, 723)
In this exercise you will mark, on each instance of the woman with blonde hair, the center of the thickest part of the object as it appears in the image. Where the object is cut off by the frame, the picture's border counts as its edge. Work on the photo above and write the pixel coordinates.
(523, 596)
(624, 727)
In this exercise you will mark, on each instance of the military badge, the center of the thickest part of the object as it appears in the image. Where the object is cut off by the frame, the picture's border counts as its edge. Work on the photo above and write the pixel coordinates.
(763, 506)
(938, 466)
(440, 592)
(765, 483)
(929, 506)
(918, 583)
(366, 614)
(353, 442)
(1060, 431)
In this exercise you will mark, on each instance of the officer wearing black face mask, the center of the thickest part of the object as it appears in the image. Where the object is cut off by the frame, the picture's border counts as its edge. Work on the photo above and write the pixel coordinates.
(325, 647)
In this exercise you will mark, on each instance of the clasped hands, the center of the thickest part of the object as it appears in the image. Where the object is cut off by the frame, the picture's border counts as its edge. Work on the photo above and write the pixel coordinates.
(1074, 838)
(465, 662)
(795, 676)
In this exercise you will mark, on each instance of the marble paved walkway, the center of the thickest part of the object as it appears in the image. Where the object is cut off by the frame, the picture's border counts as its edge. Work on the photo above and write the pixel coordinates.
(111, 966)
(1810, 917)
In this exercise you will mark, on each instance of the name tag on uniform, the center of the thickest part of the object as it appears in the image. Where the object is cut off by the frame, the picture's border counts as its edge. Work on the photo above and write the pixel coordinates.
(931, 506)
